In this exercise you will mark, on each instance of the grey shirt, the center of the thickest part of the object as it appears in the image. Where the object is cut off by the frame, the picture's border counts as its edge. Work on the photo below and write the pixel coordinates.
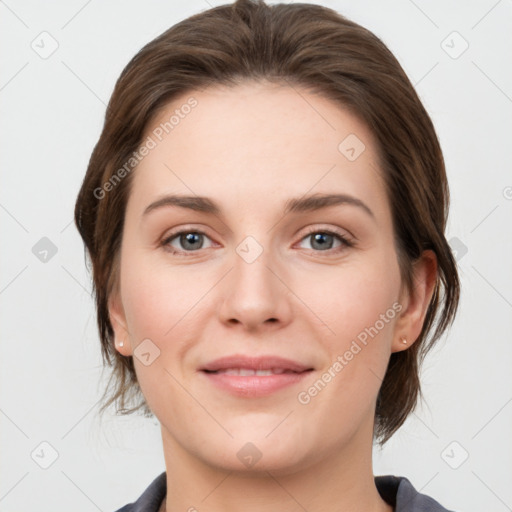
(395, 490)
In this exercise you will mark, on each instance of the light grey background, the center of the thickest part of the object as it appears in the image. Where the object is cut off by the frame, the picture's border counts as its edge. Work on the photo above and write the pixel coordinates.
(52, 111)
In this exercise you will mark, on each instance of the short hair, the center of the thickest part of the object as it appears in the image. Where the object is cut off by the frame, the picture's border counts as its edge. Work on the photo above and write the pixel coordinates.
(301, 45)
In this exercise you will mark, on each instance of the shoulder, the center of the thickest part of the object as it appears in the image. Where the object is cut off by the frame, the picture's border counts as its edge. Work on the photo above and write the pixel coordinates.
(151, 499)
(399, 491)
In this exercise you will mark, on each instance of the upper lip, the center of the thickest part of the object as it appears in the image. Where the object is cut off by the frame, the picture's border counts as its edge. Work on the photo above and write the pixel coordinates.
(255, 363)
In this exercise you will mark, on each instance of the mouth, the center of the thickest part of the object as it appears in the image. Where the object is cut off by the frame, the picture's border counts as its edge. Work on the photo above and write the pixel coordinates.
(254, 376)
(245, 372)
(274, 364)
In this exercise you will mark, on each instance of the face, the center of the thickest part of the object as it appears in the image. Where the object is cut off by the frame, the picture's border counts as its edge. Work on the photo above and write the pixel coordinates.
(247, 266)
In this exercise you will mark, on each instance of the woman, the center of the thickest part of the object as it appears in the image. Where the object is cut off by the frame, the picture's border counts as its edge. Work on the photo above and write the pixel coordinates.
(265, 213)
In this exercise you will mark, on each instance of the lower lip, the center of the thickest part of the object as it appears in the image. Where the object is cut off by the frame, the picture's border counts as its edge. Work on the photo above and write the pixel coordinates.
(254, 385)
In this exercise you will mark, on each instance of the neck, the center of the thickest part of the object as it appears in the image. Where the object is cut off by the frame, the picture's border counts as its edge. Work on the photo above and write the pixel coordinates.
(334, 482)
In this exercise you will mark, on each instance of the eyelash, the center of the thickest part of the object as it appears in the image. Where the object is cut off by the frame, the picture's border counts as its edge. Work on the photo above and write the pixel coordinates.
(346, 242)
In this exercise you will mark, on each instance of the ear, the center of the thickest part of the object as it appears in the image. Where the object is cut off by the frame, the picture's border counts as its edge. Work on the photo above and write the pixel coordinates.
(415, 302)
(118, 320)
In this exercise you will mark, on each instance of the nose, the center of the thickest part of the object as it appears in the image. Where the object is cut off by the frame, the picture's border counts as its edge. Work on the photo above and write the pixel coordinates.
(255, 295)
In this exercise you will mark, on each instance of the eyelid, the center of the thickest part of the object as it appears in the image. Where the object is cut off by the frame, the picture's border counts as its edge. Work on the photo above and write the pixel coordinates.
(347, 239)
(329, 229)
(168, 237)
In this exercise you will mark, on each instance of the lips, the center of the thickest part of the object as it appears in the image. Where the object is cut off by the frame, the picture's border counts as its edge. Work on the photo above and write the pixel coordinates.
(246, 372)
(247, 365)
(247, 377)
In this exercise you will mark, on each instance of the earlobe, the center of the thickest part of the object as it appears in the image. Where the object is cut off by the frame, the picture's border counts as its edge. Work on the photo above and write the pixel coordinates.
(118, 322)
(412, 318)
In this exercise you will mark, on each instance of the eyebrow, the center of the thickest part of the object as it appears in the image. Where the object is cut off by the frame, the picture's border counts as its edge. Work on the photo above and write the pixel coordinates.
(294, 205)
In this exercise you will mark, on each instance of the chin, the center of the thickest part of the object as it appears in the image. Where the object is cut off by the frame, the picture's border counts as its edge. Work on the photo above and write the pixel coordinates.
(257, 456)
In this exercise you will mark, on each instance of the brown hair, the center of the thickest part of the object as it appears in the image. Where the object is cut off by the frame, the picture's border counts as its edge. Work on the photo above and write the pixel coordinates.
(312, 47)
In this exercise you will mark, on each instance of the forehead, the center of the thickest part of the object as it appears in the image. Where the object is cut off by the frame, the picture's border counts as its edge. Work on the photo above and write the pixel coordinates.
(263, 141)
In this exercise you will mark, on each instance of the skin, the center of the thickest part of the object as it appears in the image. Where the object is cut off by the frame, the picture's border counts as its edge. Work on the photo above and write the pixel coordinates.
(250, 148)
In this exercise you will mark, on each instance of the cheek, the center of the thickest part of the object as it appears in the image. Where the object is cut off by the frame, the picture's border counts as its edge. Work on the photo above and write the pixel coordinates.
(354, 298)
(157, 298)
(358, 313)
(159, 306)
(360, 309)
